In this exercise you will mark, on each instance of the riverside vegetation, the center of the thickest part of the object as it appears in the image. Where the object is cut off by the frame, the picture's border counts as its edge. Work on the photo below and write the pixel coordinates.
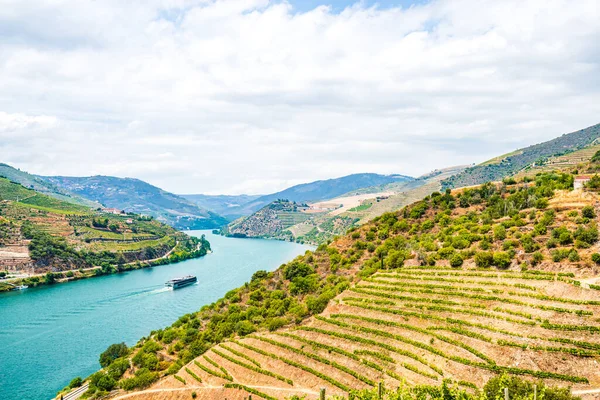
(65, 241)
(462, 286)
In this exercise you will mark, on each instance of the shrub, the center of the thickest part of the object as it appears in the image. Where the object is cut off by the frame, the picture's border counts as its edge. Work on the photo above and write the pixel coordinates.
(588, 212)
(499, 232)
(484, 259)
(574, 256)
(501, 259)
(456, 260)
(596, 258)
(537, 258)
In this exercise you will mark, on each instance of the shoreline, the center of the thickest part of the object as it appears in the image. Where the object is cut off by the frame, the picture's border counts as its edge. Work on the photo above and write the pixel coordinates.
(51, 278)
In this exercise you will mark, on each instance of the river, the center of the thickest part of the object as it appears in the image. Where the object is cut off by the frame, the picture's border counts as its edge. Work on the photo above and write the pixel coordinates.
(50, 334)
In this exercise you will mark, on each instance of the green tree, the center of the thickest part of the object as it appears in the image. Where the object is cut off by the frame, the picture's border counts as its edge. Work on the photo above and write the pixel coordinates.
(113, 352)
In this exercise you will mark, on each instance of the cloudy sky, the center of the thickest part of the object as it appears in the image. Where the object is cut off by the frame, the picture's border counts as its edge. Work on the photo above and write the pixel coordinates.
(251, 96)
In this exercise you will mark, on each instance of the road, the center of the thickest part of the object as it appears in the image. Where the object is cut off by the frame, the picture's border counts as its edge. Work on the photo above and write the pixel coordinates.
(75, 394)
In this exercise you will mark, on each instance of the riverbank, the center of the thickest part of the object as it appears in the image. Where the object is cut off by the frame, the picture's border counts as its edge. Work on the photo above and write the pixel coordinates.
(50, 278)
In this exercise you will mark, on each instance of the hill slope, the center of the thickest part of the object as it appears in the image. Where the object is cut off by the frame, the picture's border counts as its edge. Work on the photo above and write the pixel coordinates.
(323, 190)
(43, 186)
(134, 195)
(319, 221)
(512, 163)
(463, 286)
(40, 234)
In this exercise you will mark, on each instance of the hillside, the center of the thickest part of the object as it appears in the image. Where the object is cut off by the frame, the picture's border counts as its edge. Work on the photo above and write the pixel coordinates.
(42, 186)
(463, 285)
(323, 189)
(43, 239)
(270, 221)
(134, 195)
(512, 163)
(228, 206)
(320, 221)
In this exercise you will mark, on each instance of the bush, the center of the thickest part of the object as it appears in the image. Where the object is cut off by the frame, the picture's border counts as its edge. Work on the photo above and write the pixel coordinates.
(499, 232)
(484, 259)
(502, 259)
(596, 258)
(537, 258)
(588, 212)
(113, 352)
(456, 261)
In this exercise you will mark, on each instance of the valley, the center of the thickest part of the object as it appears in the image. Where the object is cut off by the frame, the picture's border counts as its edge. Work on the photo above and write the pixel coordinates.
(463, 286)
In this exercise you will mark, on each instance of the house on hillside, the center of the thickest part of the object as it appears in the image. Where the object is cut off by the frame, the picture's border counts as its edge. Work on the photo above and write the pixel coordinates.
(115, 211)
(580, 181)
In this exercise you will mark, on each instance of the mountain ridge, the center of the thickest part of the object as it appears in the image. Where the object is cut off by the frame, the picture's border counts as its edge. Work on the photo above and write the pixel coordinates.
(136, 195)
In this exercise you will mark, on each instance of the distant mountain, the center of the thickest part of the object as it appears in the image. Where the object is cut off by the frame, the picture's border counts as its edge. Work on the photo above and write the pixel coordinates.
(323, 190)
(228, 206)
(42, 186)
(134, 195)
(516, 161)
(320, 221)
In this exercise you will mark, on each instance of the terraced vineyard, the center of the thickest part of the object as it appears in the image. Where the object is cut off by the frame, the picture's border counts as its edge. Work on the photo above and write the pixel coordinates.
(421, 325)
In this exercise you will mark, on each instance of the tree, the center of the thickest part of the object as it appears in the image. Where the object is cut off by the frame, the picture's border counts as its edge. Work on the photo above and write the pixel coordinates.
(113, 352)
(76, 382)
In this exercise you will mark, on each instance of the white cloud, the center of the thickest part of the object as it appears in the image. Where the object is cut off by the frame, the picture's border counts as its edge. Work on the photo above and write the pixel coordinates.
(250, 95)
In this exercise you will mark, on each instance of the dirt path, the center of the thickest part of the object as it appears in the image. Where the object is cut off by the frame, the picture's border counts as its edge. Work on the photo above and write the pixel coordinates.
(584, 392)
(212, 387)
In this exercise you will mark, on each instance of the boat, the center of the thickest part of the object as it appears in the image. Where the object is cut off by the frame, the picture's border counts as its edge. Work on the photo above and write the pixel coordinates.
(181, 282)
(20, 287)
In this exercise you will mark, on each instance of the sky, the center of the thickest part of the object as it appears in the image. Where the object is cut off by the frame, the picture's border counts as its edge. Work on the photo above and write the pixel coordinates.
(253, 96)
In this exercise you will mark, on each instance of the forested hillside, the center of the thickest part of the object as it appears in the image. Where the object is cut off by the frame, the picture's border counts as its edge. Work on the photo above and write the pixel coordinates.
(462, 286)
(512, 163)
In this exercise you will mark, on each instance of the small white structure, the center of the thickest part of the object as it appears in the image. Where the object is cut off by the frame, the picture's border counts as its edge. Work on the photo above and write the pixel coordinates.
(580, 181)
(115, 211)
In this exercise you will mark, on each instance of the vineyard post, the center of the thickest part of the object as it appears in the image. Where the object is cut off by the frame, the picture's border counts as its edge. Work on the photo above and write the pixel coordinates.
(322, 394)
(380, 391)
(505, 393)
(534, 392)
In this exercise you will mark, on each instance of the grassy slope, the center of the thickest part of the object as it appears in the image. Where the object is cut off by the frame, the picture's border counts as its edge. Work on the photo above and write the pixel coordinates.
(514, 162)
(42, 186)
(526, 314)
